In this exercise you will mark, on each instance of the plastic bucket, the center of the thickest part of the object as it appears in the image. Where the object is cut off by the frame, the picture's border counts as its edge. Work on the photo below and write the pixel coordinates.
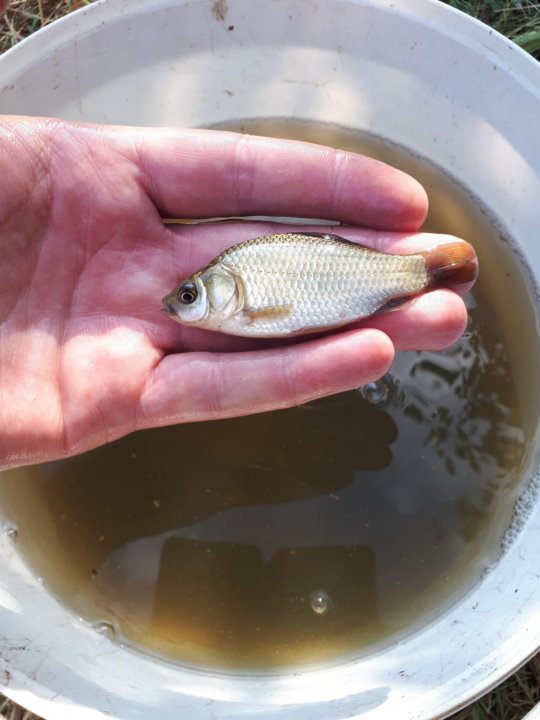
(534, 714)
(414, 72)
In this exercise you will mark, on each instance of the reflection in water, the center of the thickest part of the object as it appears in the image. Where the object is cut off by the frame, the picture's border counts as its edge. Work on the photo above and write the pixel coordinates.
(484, 419)
(259, 599)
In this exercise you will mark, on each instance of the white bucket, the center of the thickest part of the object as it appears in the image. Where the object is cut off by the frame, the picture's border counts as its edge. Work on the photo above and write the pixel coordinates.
(534, 714)
(414, 72)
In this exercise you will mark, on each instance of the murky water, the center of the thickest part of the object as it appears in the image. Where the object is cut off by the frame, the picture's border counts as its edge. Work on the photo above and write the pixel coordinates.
(312, 534)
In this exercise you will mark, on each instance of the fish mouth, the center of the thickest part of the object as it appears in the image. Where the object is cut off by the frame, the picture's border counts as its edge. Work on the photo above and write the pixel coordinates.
(167, 308)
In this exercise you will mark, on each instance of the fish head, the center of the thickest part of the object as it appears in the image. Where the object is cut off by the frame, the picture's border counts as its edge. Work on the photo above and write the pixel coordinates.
(205, 299)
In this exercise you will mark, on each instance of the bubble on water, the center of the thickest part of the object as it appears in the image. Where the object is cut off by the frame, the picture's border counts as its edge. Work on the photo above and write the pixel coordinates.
(470, 329)
(321, 602)
(523, 507)
(106, 629)
(375, 392)
(10, 531)
(487, 570)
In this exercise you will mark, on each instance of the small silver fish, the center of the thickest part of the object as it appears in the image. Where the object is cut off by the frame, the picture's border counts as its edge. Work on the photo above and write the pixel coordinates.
(297, 283)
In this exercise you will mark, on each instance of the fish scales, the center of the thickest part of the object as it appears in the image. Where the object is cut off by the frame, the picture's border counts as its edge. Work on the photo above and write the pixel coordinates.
(326, 284)
(296, 283)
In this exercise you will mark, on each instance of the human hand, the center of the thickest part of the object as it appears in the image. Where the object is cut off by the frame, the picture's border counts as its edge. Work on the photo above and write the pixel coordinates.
(86, 355)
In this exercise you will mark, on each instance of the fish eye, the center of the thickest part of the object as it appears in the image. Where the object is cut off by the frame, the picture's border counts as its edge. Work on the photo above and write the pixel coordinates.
(187, 294)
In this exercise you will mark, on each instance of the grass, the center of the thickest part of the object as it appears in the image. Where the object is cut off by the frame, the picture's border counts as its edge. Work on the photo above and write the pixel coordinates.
(511, 700)
(517, 19)
(10, 711)
(520, 21)
(26, 16)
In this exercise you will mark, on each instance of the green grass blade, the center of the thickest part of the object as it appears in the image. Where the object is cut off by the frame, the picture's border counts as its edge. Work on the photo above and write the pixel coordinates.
(529, 41)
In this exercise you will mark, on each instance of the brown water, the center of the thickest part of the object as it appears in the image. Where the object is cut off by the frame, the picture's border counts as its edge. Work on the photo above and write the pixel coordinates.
(310, 534)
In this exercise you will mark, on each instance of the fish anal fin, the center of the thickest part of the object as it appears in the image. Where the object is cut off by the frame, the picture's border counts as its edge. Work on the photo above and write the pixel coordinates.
(399, 303)
(271, 312)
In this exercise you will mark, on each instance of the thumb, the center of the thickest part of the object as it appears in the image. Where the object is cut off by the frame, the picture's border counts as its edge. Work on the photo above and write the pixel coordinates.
(3, 5)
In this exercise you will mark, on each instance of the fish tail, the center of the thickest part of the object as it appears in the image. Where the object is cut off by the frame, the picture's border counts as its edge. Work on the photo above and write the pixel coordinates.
(451, 264)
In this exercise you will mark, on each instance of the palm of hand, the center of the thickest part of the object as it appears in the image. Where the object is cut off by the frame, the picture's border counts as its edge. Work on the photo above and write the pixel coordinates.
(82, 350)
(85, 354)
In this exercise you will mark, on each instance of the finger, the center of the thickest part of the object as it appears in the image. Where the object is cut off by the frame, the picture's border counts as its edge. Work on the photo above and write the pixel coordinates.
(3, 6)
(202, 386)
(203, 173)
(432, 322)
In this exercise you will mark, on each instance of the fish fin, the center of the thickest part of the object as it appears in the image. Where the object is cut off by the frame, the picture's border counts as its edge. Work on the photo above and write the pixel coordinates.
(324, 236)
(337, 238)
(272, 312)
(450, 264)
(399, 303)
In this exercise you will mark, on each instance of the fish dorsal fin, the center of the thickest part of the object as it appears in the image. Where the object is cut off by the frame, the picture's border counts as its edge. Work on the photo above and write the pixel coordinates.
(331, 237)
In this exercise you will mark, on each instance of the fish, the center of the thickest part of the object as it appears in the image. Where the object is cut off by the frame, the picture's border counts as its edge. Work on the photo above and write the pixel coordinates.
(296, 283)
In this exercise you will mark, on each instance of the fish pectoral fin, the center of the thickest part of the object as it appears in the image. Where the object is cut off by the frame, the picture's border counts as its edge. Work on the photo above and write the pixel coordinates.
(272, 312)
